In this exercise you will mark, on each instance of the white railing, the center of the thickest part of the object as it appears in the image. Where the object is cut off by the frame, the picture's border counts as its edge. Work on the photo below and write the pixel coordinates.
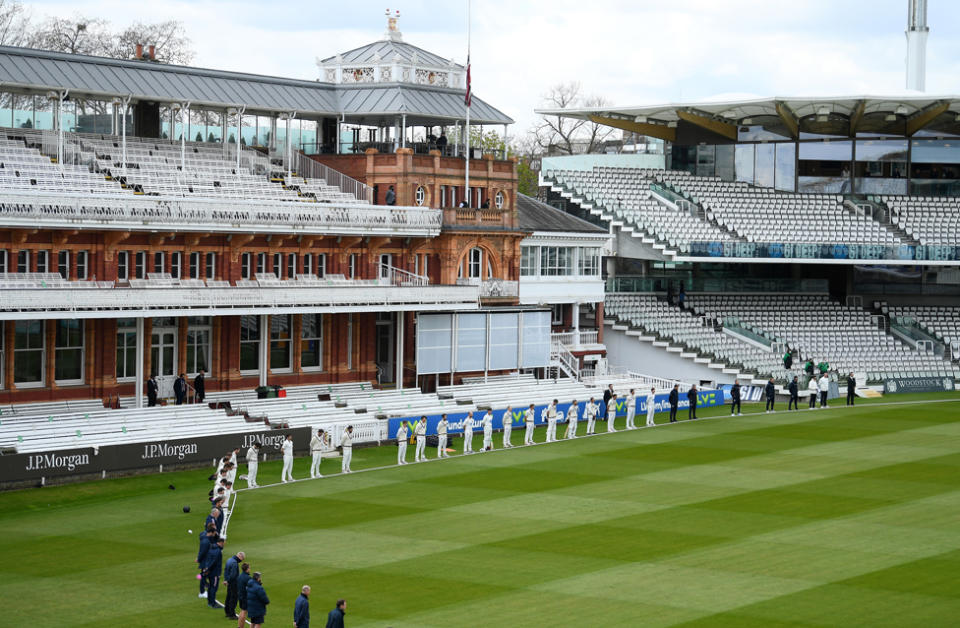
(492, 287)
(565, 360)
(146, 213)
(400, 277)
(575, 339)
(597, 377)
(312, 169)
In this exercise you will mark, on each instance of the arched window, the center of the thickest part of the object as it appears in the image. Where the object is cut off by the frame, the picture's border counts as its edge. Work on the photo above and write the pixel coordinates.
(498, 200)
(420, 196)
(475, 262)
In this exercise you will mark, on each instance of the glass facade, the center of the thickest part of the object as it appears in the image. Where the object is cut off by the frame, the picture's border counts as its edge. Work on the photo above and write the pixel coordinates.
(311, 342)
(68, 358)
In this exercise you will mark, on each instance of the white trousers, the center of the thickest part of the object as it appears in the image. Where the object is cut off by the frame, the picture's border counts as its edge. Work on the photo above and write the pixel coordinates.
(591, 424)
(551, 431)
(611, 419)
(347, 456)
(315, 465)
(650, 412)
(631, 412)
(252, 474)
(528, 435)
(571, 429)
(468, 441)
(287, 473)
(507, 430)
(487, 440)
(402, 451)
(421, 445)
(442, 446)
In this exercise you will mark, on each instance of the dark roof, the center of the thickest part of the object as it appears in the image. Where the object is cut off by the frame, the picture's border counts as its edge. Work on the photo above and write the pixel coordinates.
(385, 50)
(537, 216)
(103, 78)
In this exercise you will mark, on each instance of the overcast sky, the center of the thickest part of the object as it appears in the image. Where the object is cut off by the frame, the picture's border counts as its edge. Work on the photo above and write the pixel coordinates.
(631, 52)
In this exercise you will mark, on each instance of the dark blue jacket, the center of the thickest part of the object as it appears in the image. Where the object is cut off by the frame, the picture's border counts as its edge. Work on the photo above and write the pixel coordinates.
(242, 581)
(257, 599)
(792, 387)
(735, 392)
(232, 570)
(674, 398)
(335, 618)
(770, 390)
(301, 612)
(692, 398)
(214, 561)
(204, 547)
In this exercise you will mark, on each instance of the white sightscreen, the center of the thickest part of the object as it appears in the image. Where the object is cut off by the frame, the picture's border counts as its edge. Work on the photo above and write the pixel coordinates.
(434, 343)
(504, 340)
(471, 342)
(536, 339)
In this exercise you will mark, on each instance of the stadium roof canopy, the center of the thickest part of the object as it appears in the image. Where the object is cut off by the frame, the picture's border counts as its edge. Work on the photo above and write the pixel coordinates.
(27, 70)
(903, 114)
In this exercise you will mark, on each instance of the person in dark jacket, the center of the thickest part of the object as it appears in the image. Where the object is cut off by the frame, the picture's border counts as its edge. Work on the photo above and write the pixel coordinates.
(212, 566)
(851, 389)
(771, 393)
(206, 539)
(199, 387)
(735, 398)
(794, 389)
(180, 389)
(681, 296)
(216, 518)
(257, 600)
(231, 574)
(787, 360)
(152, 390)
(335, 617)
(391, 197)
(692, 398)
(242, 581)
(674, 402)
(301, 609)
(808, 367)
(607, 394)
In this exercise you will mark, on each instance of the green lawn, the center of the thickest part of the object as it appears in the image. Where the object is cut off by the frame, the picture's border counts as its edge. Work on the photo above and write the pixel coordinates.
(829, 518)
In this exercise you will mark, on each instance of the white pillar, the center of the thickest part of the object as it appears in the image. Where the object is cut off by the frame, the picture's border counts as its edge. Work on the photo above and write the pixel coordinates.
(184, 123)
(575, 317)
(398, 358)
(126, 103)
(505, 142)
(264, 348)
(403, 136)
(141, 380)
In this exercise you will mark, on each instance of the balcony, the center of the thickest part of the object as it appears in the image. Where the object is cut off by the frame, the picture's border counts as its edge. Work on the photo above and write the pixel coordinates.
(205, 215)
(576, 339)
(492, 288)
(24, 297)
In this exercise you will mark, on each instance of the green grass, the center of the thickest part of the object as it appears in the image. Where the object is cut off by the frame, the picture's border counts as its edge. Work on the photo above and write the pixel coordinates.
(829, 518)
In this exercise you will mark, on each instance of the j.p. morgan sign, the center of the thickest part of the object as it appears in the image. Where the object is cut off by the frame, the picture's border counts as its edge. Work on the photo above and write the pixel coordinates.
(140, 456)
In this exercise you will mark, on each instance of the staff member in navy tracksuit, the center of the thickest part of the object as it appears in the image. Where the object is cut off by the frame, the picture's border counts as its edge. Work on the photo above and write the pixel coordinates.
(152, 389)
(231, 573)
(257, 600)
(206, 540)
(242, 581)
(794, 394)
(692, 398)
(851, 389)
(674, 402)
(771, 395)
(301, 609)
(212, 567)
(735, 398)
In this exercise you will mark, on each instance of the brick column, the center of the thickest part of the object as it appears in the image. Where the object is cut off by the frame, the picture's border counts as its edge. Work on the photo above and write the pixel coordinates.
(9, 333)
(50, 329)
(181, 346)
(147, 355)
(295, 332)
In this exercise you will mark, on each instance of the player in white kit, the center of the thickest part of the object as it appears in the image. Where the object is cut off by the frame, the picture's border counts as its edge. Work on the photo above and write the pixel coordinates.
(420, 432)
(590, 412)
(402, 443)
(631, 409)
(528, 419)
(253, 462)
(468, 434)
(552, 422)
(651, 406)
(611, 414)
(317, 443)
(487, 423)
(442, 437)
(507, 427)
(572, 413)
(287, 448)
(346, 441)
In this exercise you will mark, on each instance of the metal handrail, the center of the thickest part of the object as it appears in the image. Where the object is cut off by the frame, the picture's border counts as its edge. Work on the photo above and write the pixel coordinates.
(313, 169)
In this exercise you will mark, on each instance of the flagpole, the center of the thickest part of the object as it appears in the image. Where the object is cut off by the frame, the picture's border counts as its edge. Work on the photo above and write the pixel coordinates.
(467, 193)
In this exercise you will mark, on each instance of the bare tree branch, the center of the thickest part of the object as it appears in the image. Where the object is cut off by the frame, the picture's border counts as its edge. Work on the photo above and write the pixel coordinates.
(14, 22)
(569, 135)
(172, 44)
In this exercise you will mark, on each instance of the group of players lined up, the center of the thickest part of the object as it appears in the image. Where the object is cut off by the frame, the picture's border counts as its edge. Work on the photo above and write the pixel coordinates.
(244, 589)
(319, 443)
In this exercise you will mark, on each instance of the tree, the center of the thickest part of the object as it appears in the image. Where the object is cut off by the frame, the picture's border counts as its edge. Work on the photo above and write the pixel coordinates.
(14, 22)
(169, 38)
(569, 135)
(528, 182)
(199, 137)
(76, 35)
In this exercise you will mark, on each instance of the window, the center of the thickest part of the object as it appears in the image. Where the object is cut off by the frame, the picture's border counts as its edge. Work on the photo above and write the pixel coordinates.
(29, 353)
(386, 261)
(83, 258)
(353, 265)
(176, 264)
(590, 262)
(280, 345)
(443, 196)
(261, 263)
(198, 344)
(63, 264)
(291, 265)
(322, 265)
(141, 263)
(556, 260)
(211, 266)
(420, 195)
(278, 265)
(556, 314)
(311, 342)
(195, 265)
(246, 259)
(123, 265)
(3, 262)
(250, 343)
(158, 262)
(23, 261)
(68, 356)
(126, 348)
(498, 200)
(528, 261)
(43, 261)
(475, 262)
(308, 263)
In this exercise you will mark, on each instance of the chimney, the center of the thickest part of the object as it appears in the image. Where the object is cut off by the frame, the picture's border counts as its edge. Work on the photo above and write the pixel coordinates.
(152, 51)
(138, 53)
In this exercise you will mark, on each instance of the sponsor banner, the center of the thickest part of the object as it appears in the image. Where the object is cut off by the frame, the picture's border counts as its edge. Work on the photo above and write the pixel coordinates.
(918, 384)
(705, 399)
(133, 456)
(747, 393)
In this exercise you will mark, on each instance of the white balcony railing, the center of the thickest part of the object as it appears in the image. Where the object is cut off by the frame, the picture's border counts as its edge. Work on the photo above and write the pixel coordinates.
(492, 288)
(575, 339)
(149, 213)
